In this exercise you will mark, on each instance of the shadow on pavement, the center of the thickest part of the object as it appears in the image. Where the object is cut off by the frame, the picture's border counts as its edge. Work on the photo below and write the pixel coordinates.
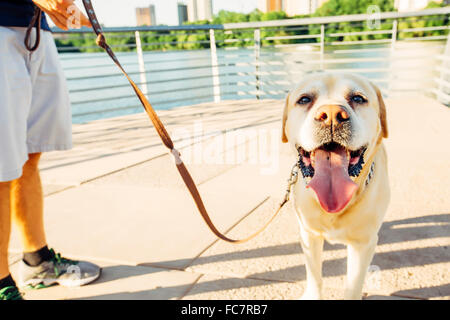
(391, 232)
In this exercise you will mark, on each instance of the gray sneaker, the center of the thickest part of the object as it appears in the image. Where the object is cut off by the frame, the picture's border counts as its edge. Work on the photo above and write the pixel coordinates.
(58, 270)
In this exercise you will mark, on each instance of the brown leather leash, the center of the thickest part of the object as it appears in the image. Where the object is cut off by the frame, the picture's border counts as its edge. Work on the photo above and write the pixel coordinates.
(160, 129)
(35, 22)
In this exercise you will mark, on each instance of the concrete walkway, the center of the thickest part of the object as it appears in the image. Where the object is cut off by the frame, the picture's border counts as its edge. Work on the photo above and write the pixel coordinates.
(116, 199)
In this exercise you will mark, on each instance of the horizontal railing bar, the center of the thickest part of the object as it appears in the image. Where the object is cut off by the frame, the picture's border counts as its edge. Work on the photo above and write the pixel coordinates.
(442, 82)
(356, 33)
(409, 79)
(133, 45)
(153, 93)
(346, 60)
(292, 45)
(358, 70)
(403, 57)
(236, 40)
(359, 50)
(443, 57)
(136, 63)
(299, 62)
(62, 49)
(269, 54)
(441, 94)
(115, 86)
(271, 23)
(184, 27)
(336, 19)
(345, 43)
(315, 36)
(101, 54)
(92, 55)
(174, 42)
(75, 115)
(161, 102)
(307, 36)
(424, 29)
(286, 29)
(109, 75)
(398, 49)
(238, 48)
(154, 82)
(407, 69)
(127, 34)
(424, 38)
(229, 56)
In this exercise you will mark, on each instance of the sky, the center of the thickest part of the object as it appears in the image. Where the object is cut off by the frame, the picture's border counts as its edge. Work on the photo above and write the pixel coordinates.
(116, 13)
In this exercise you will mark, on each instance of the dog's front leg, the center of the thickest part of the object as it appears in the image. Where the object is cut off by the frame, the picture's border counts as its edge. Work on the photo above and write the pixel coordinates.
(312, 248)
(359, 256)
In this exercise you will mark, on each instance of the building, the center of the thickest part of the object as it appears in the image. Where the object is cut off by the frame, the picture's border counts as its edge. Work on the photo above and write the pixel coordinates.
(182, 13)
(270, 5)
(291, 7)
(412, 5)
(146, 16)
(199, 10)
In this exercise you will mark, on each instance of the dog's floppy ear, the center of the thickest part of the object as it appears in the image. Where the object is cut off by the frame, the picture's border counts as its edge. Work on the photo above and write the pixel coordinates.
(284, 138)
(382, 106)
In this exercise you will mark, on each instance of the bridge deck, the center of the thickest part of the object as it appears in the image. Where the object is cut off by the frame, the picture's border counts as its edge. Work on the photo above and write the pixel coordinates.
(116, 199)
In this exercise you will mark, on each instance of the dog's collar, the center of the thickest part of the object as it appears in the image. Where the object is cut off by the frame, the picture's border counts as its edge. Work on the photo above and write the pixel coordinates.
(371, 173)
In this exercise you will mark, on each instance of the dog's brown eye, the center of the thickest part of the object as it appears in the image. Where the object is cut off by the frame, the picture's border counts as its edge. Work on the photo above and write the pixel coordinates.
(304, 100)
(358, 99)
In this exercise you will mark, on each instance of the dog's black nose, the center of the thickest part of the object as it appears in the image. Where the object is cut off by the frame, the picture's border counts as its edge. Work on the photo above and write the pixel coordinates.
(331, 114)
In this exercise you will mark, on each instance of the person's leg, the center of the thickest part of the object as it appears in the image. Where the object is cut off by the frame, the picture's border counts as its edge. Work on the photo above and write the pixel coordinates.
(5, 227)
(49, 128)
(27, 205)
(15, 102)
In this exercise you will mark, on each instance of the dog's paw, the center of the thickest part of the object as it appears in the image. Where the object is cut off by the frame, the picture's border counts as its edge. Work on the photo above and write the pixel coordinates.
(310, 295)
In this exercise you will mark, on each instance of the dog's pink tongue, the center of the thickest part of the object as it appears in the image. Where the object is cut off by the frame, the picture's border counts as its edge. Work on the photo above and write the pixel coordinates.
(331, 181)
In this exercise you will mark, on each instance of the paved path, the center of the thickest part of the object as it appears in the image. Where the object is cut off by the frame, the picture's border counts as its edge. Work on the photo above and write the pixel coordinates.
(116, 199)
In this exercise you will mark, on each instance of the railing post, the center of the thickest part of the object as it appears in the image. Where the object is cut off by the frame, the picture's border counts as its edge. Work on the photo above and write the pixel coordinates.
(257, 38)
(322, 45)
(444, 64)
(392, 52)
(214, 66)
(142, 71)
(394, 35)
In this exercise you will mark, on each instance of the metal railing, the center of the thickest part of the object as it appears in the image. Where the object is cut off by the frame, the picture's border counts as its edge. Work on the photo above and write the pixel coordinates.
(256, 60)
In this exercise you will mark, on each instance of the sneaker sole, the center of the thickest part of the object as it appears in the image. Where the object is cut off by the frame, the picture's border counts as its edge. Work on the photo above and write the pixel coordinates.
(45, 283)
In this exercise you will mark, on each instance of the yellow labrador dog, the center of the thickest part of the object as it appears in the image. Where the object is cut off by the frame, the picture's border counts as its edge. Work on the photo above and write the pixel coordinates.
(337, 123)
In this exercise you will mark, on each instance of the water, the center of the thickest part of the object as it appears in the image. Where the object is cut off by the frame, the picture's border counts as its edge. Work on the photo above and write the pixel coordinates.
(180, 78)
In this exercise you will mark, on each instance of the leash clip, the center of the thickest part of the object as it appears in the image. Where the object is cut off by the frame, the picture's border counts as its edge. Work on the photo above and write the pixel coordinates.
(176, 155)
(293, 178)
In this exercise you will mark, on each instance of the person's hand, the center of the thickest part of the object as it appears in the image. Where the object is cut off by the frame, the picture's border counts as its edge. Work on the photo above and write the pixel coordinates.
(64, 13)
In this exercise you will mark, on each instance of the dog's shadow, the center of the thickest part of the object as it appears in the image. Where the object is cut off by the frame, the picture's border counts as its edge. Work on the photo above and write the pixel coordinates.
(405, 230)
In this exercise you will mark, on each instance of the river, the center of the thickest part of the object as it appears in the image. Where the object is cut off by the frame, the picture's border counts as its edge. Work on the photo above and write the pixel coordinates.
(180, 78)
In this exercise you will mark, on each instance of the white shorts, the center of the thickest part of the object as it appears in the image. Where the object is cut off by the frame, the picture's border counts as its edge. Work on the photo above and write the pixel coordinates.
(35, 113)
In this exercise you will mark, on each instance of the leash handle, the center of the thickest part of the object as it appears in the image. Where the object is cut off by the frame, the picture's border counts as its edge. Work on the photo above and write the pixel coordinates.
(35, 21)
(164, 135)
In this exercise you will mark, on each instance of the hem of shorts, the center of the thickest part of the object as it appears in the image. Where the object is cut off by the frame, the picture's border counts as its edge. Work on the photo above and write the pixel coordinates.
(48, 148)
(10, 175)
(13, 174)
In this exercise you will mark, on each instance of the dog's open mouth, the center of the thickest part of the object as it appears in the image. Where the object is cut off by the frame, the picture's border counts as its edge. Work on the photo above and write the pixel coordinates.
(330, 167)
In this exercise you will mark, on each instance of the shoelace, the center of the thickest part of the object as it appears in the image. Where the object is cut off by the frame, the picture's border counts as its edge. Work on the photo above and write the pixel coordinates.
(10, 293)
(58, 261)
(57, 258)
